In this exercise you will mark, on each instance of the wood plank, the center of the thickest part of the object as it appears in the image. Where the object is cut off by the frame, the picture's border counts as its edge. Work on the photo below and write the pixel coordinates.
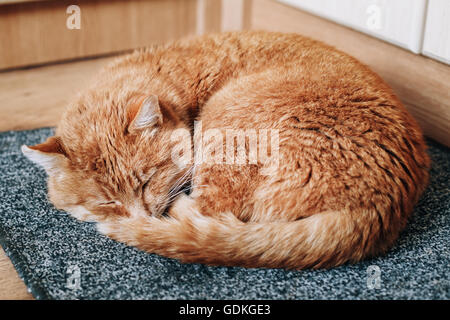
(3, 2)
(247, 13)
(37, 97)
(421, 83)
(209, 17)
(36, 32)
(236, 15)
(232, 15)
(11, 286)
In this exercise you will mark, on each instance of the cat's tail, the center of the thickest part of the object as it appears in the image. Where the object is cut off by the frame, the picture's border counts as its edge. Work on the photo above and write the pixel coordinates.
(323, 240)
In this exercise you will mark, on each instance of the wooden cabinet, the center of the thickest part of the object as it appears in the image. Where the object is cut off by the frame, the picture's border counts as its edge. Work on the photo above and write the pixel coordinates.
(421, 26)
(36, 32)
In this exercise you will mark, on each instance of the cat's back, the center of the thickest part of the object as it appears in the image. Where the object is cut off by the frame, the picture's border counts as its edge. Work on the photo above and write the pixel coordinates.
(255, 49)
(243, 52)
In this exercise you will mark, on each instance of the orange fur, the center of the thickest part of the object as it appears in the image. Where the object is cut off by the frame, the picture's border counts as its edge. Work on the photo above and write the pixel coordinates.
(352, 160)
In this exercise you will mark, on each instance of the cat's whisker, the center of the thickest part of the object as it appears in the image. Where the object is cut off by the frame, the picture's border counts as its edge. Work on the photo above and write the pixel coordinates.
(172, 197)
(187, 173)
(182, 180)
(176, 191)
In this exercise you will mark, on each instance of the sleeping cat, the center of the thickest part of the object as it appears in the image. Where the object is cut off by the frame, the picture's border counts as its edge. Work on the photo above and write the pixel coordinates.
(351, 162)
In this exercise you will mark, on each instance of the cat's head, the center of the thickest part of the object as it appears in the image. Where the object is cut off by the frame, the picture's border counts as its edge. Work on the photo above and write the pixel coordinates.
(113, 158)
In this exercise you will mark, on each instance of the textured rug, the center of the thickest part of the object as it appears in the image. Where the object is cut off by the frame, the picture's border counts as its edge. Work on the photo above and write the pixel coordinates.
(61, 258)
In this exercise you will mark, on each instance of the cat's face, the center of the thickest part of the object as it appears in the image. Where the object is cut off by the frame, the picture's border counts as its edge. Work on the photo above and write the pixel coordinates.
(113, 159)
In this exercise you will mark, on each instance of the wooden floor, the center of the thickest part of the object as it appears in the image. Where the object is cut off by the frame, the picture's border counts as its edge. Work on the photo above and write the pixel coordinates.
(11, 287)
(30, 99)
(34, 98)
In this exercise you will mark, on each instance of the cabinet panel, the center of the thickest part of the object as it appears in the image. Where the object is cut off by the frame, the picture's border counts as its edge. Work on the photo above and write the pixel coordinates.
(400, 22)
(437, 31)
(36, 32)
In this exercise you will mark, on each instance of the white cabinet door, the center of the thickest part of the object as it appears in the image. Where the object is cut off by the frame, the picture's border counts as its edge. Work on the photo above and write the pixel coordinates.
(398, 21)
(437, 31)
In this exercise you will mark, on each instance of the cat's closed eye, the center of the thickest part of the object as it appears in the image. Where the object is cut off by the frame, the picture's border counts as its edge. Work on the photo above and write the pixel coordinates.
(109, 203)
(112, 207)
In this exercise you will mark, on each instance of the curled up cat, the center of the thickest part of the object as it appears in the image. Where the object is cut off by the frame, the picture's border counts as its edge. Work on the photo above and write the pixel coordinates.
(251, 149)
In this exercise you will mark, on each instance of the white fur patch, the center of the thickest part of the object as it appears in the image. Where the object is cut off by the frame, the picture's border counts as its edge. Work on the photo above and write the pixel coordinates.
(105, 228)
(81, 213)
(136, 210)
(45, 160)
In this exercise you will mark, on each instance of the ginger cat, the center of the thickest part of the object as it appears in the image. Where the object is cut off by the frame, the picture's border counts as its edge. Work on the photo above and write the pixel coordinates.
(351, 161)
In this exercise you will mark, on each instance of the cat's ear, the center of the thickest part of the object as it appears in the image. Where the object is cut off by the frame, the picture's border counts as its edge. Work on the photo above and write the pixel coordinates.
(144, 113)
(46, 154)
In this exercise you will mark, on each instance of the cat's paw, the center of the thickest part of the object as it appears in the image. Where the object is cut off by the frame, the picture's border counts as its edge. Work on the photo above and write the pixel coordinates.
(183, 205)
(125, 229)
(82, 214)
(114, 228)
(108, 228)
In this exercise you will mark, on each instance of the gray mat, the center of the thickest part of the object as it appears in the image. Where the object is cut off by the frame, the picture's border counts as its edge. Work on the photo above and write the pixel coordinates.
(61, 258)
